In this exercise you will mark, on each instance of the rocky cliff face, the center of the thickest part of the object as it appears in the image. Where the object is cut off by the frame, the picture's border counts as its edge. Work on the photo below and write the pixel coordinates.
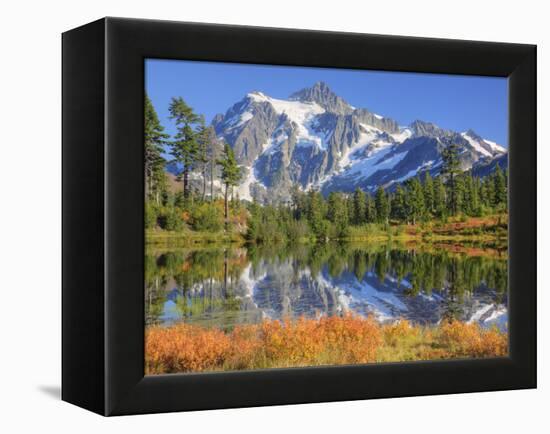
(315, 139)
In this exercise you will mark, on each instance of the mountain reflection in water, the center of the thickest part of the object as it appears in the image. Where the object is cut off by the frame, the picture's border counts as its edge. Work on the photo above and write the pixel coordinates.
(223, 287)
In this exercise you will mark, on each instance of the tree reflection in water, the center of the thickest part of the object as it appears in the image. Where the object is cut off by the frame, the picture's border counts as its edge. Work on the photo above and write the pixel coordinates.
(224, 286)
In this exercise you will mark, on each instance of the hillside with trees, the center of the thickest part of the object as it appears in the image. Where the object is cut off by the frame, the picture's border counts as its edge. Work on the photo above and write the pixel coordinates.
(207, 207)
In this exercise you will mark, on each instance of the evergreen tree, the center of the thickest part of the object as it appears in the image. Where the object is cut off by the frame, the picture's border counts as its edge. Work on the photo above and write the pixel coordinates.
(399, 204)
(415, 196)
(489, 192)
(204, 144)
(230, 176)
(471, 197)
(439, 207)
(429, 193)
(359, 206)
(337, 213)
(370, 213)
(316, 214)
(213, 155)
(474, 197)
(316, 207)
(350, 207)
(382, 205)
(155, 139)
(185, 147)
(459, 193)
(483, 198)
(451, 168)
(479, 194)
(500, 195)
(299, 202)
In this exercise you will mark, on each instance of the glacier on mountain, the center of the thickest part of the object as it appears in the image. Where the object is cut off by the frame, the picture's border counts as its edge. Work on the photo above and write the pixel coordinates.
(315, 139)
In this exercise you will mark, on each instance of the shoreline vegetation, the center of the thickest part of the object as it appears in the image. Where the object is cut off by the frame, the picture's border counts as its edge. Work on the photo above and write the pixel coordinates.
(333, 340)
(459, 234)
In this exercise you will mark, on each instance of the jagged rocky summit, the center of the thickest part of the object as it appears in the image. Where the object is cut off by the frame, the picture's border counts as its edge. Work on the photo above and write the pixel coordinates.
(315, 139)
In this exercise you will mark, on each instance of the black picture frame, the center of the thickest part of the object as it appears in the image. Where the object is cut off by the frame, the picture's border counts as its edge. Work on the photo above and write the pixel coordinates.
(103, 223)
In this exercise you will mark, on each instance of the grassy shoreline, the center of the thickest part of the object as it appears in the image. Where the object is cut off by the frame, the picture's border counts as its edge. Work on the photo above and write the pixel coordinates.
(314, 342)
(477, 236)
(188, 238)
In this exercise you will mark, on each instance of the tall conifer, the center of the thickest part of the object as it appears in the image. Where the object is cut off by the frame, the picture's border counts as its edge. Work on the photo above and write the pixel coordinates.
(155, 138)
(230, 176)
(185, 149)
(451, 168)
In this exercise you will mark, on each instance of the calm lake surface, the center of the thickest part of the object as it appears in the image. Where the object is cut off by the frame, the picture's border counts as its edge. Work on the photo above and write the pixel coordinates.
(224, 286)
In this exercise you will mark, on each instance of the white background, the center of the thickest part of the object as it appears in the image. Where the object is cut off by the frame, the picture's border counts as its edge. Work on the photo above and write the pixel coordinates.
(30, 186)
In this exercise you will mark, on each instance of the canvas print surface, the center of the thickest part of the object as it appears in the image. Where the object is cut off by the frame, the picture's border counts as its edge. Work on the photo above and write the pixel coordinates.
(305, 216)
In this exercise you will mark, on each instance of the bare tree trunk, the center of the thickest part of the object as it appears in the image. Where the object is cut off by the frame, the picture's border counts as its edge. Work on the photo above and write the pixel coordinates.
(212, 180)
(226, 209)
(153, 190)
(225, 269)
(204, 183)
(185, 183)
(453, 198)
(211, 292)
(147, 182)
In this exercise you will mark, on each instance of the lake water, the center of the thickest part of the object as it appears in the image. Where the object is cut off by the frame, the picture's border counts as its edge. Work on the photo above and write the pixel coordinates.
(224, 286)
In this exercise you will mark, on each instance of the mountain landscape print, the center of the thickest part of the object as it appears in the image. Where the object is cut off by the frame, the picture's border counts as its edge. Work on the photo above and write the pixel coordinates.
(308, 216)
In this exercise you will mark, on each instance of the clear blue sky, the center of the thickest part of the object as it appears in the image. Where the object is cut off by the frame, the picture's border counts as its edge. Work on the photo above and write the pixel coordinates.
(450, 101)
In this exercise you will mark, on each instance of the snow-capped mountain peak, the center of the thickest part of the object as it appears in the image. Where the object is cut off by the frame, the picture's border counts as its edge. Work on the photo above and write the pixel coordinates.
(315, 139)
(324, 96)
(485, 147)
(300, 113)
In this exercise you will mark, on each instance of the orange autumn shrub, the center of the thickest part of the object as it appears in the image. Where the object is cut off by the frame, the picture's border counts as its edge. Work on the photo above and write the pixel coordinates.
(392, 333)
(186, 216)
(246, 348)
(470, 340)
(303, 342)
(310, 342)
(184, 348)
(291, 343)
(329, 340)
(351, 338)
